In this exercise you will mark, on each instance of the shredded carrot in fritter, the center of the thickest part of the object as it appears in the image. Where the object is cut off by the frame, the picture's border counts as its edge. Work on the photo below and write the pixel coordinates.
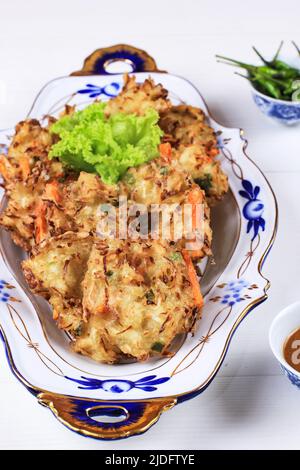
(193, 279)
(195, 197)
(4, 165)
(213, 152)
(40, 222)
(165, 151)
(52, 192)
(25, 167)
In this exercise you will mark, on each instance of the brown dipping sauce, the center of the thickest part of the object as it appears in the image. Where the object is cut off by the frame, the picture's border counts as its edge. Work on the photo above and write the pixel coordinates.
(291, 350)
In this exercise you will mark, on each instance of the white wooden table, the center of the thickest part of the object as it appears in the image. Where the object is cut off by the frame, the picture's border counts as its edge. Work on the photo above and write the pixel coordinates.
(250, 404)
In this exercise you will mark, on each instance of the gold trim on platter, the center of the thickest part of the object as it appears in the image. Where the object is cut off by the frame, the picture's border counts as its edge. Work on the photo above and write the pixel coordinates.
(147, 63)
(65, 409)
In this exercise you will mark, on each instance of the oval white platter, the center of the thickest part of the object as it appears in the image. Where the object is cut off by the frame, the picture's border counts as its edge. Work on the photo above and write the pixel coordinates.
(134, 395)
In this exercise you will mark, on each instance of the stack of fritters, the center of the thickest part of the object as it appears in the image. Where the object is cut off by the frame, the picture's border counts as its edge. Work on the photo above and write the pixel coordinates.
(119, 299)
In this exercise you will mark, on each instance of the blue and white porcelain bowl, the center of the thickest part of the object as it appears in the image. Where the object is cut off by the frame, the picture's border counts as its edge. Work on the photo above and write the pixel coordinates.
(287, 321)
(286, 112)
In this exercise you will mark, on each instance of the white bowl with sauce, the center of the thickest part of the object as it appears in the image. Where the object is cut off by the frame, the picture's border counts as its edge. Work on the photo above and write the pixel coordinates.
(283, 326)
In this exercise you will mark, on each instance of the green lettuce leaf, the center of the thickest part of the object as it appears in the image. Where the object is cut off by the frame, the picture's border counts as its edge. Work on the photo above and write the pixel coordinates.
(108, 146)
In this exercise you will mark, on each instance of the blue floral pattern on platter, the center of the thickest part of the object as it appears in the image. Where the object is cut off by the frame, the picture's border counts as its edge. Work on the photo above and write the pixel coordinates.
(234, 291)
(253, 209)
(292, 377)
(147, 384)
(3, 149)
(288, 113)
(222, 141)
(4, 294)
(110, 90)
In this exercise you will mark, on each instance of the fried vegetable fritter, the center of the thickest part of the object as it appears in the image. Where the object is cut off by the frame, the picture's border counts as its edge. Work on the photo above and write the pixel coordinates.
(42, 207)
(138, 97)
(55, 270)
(137, 298)
(83, 197)
(196, 148)
(160, 183)
(28, 154)
(185, 125)
(206, 171)
(118, 299)
(27, 171)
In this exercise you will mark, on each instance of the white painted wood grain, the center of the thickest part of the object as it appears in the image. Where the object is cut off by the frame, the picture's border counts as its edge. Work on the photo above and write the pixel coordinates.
(250, 404)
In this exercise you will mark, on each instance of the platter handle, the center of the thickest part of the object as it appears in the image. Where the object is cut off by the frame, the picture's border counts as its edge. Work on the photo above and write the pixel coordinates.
(99, 61)
(105, 419)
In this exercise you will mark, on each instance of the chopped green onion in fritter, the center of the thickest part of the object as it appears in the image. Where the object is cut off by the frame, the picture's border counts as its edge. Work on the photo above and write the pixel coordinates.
(176, 256)
(164, 170)
(150, 297)
(205, 183)
(158, 347)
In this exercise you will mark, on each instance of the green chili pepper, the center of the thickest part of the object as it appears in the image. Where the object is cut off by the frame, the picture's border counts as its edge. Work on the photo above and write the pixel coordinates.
(263, 85)
(269, 88)
(285, 72)
(281, 73)
(286, 86)
(275, 78)
(284, 69)
(290, 72)
(297, 48)
(296, 91)
(265, 61)
(250, 68)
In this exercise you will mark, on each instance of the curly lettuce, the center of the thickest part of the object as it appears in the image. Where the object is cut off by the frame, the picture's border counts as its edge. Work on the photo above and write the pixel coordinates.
(89, 141)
